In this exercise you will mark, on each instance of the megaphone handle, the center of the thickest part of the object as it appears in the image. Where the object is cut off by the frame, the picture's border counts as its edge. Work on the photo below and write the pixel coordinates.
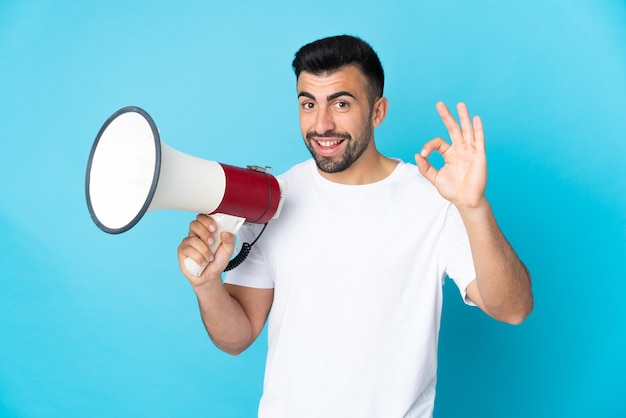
(224, 222)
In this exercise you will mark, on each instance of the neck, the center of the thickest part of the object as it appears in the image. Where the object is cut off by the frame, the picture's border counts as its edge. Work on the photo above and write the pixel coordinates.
(369, 168)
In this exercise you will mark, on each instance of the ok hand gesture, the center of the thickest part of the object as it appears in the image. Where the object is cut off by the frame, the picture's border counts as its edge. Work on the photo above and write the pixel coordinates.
(463, 178)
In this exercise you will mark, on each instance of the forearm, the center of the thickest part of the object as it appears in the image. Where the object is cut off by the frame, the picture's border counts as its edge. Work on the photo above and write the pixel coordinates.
(502, 280)
(225, 320)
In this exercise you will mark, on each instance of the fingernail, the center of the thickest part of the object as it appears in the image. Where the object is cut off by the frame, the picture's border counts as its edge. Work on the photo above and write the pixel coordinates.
(211, 241)
(211, 258)
(212, 228)
(423, 153)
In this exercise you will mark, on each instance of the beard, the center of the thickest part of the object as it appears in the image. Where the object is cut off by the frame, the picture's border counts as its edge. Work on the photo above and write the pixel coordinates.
(353, 150)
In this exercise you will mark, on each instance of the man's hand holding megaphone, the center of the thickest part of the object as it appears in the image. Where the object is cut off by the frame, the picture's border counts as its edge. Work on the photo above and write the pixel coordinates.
(197, 248)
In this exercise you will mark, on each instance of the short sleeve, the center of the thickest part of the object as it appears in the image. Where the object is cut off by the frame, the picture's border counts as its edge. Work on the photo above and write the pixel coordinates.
(253, 272)
(456, 252)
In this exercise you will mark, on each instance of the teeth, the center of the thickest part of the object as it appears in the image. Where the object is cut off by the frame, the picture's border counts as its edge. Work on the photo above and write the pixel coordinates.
(328, 143)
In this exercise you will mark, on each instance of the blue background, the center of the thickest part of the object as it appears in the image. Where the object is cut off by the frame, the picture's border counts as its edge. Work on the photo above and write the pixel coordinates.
(94, 325)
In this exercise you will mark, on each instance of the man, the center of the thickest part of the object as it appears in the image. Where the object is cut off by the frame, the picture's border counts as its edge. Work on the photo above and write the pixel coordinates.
(353, 268)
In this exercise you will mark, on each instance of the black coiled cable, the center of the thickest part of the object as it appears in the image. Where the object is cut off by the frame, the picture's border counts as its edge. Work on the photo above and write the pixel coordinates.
(243, 253)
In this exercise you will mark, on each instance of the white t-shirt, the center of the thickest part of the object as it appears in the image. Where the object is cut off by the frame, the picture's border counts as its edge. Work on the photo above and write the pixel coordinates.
(357, 273)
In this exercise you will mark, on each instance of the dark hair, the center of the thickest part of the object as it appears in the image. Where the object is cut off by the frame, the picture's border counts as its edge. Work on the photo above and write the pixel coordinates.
(330, 54)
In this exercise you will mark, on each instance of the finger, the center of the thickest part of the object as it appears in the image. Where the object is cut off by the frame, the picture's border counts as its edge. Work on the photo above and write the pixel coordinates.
(466, 123)
(479, 133)
(456, 135)
(219, 261)
(435, 144)
(207, 222)
(427, 170)
(194, 249)
(203, 229)
(198, 230)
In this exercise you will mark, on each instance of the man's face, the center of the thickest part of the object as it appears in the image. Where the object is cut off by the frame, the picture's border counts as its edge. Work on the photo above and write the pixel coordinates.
(335, 117)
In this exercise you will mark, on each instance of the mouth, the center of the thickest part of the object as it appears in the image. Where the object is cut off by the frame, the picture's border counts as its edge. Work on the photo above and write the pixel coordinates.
(327, 143)
(327, 146)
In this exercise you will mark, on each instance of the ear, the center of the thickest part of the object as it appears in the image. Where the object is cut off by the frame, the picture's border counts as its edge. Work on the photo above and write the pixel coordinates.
(379, 111)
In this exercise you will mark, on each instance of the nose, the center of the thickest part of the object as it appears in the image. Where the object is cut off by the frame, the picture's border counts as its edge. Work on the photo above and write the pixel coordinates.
(324, 121)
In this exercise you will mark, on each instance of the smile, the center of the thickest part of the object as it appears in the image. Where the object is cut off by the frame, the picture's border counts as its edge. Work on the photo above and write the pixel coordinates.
(329, 143)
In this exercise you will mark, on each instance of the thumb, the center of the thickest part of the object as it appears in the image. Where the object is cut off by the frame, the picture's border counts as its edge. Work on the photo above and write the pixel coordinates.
(226, 248)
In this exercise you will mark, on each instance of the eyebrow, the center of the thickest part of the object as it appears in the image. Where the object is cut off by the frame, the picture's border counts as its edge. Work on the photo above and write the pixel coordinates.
(329, 98)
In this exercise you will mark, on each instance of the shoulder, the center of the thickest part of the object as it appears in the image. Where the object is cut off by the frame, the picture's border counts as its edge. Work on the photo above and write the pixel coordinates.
(299, 177)
(406, 180)
(301, 169)
(408, 174)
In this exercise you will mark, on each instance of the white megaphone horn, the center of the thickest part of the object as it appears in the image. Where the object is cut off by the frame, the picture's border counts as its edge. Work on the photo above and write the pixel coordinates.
(131, 172)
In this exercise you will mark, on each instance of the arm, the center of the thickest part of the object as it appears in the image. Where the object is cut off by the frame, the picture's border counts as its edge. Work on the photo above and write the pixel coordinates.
(232, 315)
(502, 287)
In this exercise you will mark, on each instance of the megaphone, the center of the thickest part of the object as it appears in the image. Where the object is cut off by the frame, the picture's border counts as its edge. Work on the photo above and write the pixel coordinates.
(131, 172)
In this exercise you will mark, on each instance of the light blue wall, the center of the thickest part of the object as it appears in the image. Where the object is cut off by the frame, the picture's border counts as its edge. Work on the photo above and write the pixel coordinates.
(100, 326)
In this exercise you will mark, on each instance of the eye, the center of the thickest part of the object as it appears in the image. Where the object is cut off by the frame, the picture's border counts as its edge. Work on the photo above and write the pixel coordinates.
(307, 105)
(341, 105)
